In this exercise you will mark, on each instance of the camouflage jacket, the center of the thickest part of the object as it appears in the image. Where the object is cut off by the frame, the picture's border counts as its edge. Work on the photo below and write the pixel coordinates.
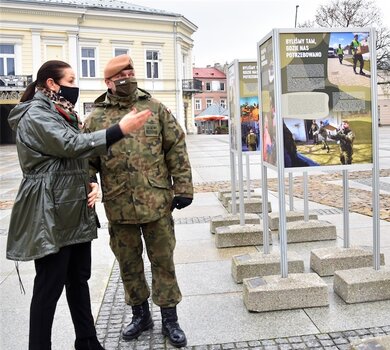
(141, 173)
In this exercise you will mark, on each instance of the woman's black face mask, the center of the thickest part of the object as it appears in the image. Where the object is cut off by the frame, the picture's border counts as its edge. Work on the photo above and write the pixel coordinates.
(70, 93)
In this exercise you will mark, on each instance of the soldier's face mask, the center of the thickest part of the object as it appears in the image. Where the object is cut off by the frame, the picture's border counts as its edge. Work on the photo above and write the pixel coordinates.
(126, 87)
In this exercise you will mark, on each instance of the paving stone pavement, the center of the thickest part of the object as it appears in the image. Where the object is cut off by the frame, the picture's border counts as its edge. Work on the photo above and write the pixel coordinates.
(115, 314)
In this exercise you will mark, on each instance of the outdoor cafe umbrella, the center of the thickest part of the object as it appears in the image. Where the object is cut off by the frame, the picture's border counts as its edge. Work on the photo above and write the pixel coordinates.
(213, 112)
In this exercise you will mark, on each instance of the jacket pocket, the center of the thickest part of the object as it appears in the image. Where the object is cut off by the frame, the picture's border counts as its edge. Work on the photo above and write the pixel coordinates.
(159, 182)
(70, 207)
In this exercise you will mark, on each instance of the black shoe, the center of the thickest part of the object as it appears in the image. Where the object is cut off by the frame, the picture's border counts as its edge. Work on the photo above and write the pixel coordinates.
(141, 321)
(362, 73)
(171, 328)
(90, 343)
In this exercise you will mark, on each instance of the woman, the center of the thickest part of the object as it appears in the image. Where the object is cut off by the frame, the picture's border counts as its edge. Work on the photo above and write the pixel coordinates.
(53, 219)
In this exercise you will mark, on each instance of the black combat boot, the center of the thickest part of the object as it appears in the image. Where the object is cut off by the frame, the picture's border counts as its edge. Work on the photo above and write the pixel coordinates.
(90, 343)
(141, 321)
(171, 328)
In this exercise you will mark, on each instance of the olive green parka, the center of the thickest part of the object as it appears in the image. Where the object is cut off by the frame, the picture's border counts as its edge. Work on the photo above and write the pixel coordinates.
(50, 209)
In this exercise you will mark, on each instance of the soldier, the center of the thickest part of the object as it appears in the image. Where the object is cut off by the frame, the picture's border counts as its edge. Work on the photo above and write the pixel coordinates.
(143, 178)
(356, 48)
(324, 134)
(345, 136)
(251, 140)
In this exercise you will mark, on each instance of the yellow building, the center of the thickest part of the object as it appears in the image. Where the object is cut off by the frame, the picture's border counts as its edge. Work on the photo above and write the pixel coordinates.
(86, 34)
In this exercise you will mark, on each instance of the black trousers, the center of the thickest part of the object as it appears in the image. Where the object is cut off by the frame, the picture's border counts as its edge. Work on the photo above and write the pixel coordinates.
(70, 267)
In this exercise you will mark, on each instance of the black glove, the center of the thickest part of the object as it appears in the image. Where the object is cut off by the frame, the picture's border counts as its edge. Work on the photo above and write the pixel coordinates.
(179, 202)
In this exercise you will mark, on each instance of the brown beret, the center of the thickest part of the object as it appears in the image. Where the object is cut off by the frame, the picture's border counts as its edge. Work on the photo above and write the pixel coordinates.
(117, 64)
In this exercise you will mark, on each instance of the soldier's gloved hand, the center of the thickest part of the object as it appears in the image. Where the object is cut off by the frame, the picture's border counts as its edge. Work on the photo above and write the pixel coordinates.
(180, 202)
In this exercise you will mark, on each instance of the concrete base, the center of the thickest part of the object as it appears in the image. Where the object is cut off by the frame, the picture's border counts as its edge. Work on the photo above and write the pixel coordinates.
(310, 231)
(273, 218)
(221, 193)
(260, 264)
(325, 261)
(227, 197)
(252, 205)
(364, 284)
(377, 343)
(232, 219)
(237, 236)
(296, 291)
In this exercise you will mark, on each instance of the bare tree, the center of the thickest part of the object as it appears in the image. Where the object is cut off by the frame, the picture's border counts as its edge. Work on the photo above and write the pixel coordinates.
(356, 13)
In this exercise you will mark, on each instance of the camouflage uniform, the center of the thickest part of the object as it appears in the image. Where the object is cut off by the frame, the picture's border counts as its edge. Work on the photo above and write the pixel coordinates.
(345, 138)
(139, 176)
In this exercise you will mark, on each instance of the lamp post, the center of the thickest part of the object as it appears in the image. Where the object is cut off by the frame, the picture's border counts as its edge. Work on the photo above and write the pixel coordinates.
(296, 14)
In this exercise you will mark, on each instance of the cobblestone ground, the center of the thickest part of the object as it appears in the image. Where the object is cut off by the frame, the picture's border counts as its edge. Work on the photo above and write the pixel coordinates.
(114, 314)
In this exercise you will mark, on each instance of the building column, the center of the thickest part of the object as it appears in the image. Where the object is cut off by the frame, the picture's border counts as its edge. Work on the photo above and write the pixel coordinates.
(36, 51)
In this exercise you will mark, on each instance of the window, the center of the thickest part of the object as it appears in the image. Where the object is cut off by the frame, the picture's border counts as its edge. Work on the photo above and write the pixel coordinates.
(222, 87)
(152, 64)
(223, 103)
(88, 62)
(209, 102)
(198, 104)
(7, 59)
(208, 86)
(120, 51)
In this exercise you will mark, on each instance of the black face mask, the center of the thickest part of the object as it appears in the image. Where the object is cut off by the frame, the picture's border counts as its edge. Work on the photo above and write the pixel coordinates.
(126, 87)
(69, 93)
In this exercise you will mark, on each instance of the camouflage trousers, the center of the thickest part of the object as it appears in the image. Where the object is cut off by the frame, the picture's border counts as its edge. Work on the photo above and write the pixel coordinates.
(160, 241)
(345, 157)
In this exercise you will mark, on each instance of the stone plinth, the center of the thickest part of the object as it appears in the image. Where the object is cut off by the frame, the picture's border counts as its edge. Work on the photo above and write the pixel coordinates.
(325, 261)
(260, 264)
(363, 284)
(227, 197)
(273, 218)
(221, 193)
(251, 205)
(237, 235)
(377, 343)
(232, 219)
(270, 293)
(309, 231)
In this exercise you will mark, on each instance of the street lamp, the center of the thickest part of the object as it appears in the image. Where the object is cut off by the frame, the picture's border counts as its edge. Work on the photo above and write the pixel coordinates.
(296, 14)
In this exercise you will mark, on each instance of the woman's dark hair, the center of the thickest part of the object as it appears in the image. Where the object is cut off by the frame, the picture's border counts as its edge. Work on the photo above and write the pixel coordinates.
(51, 69)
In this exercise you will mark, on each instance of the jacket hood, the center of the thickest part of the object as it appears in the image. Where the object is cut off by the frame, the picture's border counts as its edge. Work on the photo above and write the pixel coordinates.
(19, 110)
(17, 113)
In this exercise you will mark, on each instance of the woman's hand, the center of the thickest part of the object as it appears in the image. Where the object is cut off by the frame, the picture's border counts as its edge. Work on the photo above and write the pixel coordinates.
(92, 196)
(133, 121)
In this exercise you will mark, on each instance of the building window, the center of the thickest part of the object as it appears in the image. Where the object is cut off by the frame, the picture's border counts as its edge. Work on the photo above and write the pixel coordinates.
(198, 104)
(7, 59)
(222, 86)
(88, 62)
(223, 103)
(209, 102)
(208, 86)
(120, 51)
(152, 64)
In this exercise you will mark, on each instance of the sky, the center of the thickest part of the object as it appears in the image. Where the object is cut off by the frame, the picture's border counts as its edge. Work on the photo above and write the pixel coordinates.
(231, 29)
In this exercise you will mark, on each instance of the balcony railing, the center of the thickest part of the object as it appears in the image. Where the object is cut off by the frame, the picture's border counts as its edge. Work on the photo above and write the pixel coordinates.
(14, 82)
(192, 86)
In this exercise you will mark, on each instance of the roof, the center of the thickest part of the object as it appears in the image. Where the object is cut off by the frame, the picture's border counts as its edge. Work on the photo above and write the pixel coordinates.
(214, 109)
(118, 5)
(208, 73)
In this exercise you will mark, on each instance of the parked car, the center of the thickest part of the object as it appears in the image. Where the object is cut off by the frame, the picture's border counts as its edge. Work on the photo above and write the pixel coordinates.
(331, 52)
